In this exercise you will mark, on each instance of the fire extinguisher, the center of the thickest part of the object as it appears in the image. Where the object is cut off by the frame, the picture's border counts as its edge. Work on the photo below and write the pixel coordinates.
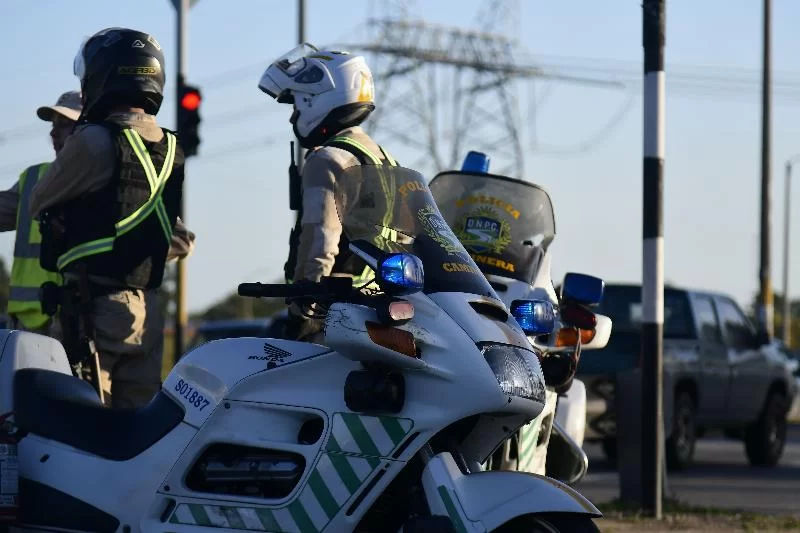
(9, 472)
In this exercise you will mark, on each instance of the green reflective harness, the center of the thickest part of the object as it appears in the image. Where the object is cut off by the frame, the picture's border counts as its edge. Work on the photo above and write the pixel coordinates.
(365, 157)
(155, 203)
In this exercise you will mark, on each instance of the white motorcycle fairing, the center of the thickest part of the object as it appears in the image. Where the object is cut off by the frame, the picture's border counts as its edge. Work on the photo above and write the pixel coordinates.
(571, 412)
(484, 501)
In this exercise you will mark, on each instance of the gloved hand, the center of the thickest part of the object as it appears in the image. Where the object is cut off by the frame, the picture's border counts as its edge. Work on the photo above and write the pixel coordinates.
(301, 328)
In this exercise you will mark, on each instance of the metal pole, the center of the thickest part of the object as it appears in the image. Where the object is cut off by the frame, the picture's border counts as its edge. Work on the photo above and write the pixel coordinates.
(653, 257)
(766, 304)
(180, 277)
(787, 308)
(301, 38)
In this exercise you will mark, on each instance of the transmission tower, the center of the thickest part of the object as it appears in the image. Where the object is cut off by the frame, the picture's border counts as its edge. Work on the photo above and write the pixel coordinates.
(445, 90)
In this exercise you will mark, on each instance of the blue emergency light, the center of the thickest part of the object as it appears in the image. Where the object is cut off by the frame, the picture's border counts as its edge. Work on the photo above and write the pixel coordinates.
(401, 274)
(535, 317)
(477, 162)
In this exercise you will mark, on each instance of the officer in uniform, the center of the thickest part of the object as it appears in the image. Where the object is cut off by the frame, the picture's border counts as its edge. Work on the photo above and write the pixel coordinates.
(109, 205)
(27, 275)
(332, 93)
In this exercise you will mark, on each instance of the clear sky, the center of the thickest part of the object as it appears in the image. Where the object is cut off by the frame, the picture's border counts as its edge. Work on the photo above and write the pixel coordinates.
(237, 188)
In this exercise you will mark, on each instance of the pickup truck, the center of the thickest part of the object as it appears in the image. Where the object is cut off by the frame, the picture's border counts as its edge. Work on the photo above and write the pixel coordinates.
(723, 374)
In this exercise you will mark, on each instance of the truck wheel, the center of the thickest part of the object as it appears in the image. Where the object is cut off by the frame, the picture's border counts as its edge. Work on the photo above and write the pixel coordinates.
(680, 445)
(765, 439)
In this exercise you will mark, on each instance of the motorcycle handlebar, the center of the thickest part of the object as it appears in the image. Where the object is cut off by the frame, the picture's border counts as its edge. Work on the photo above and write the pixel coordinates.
(328, 287)
(277, 290)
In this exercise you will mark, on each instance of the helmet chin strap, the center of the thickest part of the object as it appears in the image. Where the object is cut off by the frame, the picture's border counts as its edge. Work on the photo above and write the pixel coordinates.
(337, 120)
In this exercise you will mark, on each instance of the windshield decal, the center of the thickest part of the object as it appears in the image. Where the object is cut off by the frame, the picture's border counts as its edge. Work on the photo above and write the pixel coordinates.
(460, 267)
(411, 186)
(482, 231)
(438, 230)
(491, 200)
(495, 262)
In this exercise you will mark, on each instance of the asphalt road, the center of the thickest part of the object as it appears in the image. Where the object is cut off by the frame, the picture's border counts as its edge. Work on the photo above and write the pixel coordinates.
(721, 477)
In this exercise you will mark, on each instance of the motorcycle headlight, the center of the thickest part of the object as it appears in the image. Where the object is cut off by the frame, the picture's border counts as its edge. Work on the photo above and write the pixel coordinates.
(517, 371)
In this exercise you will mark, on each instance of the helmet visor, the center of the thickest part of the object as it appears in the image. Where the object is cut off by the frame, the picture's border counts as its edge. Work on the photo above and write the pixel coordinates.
(79, 63)
(293, 61)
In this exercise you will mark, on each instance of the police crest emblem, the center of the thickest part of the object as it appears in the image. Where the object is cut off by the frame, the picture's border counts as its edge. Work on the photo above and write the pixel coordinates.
(483, 231)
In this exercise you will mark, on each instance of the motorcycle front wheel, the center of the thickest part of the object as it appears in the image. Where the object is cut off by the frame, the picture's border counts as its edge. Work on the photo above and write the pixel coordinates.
(549, 523)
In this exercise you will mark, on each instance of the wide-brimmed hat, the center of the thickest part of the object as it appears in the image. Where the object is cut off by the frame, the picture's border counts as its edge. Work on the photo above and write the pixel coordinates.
(68, 105)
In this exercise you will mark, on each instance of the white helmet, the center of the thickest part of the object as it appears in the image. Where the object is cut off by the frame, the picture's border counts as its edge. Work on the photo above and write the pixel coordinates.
(331, 90)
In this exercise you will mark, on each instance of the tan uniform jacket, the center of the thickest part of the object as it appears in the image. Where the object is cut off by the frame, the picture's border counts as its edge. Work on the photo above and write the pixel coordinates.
(321, 229)
(86, 164)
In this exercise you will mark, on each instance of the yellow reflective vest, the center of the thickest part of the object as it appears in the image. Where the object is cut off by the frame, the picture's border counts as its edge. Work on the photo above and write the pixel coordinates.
(26, 273)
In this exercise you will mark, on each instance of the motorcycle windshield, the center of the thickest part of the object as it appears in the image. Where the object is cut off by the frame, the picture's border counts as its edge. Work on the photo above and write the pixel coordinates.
(505, 224)
(392, 208)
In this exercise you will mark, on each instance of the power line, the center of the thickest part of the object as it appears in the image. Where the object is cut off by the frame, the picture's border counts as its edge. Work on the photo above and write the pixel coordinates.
(683, 78)
(220, 152)
(39, 131)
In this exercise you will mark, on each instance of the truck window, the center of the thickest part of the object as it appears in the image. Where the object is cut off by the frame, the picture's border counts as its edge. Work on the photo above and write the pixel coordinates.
(623, 304)
(737, 329)
(707, 323)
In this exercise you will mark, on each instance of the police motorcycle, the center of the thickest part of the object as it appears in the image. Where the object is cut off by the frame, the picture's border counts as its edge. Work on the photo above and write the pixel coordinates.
(507, 226)
(382, 429)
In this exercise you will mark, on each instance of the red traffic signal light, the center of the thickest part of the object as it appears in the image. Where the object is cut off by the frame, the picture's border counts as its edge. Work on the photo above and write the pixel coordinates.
(191, 100)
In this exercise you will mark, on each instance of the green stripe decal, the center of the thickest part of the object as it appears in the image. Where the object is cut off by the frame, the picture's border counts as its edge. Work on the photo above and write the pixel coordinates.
(301, 518)
(232, 515)
(451, 509)
(323, 495)
(345, 472)
(333, 445)
(199, 514)
(360, 434)
(530, 437)
(393, 428)
(356, 449)
(267, 520)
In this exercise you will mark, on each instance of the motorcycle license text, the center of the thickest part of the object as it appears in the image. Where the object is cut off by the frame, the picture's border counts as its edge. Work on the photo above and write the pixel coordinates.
(189, 393)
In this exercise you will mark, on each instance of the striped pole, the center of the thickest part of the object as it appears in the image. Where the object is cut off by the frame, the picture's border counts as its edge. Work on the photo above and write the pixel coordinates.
(653, 257)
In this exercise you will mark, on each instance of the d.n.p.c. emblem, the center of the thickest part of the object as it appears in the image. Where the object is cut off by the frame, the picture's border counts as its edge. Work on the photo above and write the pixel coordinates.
(484, 231)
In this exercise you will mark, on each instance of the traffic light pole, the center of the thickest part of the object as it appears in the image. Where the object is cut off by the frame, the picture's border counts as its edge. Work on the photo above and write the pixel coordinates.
(182, 8)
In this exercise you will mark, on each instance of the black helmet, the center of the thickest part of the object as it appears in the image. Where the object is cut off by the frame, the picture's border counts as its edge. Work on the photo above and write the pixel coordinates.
(120, 66)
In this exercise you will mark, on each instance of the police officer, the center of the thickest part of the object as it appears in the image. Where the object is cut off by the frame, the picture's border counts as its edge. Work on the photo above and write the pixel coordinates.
(332, 93)
(27, 276)
(109, 204)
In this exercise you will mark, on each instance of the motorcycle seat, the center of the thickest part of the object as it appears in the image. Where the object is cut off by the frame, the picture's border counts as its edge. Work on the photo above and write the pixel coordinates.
(67, 409)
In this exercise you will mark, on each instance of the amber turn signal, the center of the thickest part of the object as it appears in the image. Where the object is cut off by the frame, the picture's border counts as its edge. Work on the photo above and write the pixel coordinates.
(569, 337)
(394, 339)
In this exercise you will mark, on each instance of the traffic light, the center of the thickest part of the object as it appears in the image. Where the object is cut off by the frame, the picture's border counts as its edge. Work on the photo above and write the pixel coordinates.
(189, 99)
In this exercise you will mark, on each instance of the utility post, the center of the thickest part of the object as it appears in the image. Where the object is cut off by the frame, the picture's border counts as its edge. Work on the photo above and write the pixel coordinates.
(652, 413)
(787, 210)
(765, 311)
